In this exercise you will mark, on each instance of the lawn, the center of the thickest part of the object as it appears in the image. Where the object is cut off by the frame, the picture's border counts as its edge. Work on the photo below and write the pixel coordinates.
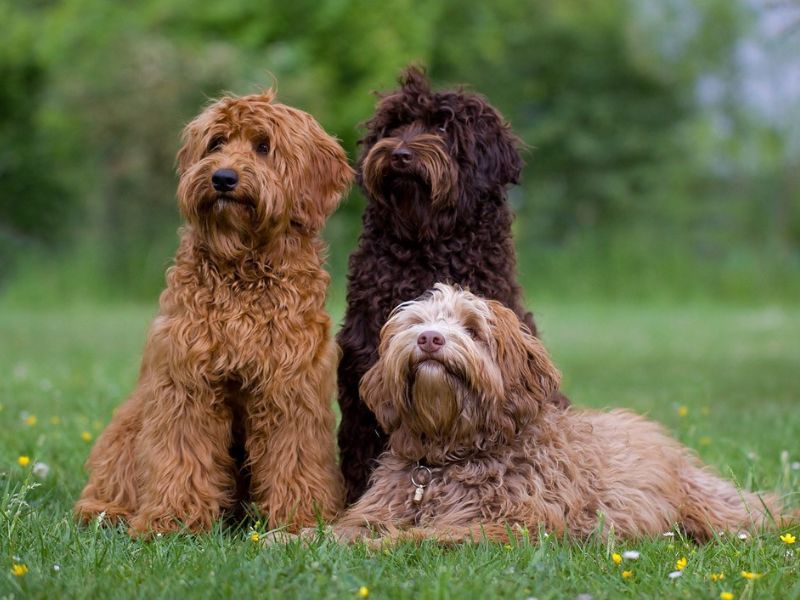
(725, 380)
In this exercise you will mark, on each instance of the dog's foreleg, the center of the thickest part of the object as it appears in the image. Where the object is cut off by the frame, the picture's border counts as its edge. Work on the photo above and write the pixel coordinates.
(185, 469)
(291, 452)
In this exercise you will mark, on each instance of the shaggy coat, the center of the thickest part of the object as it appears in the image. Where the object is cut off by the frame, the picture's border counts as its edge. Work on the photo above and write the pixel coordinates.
(462, 388)
(233, 399)
(434, 167)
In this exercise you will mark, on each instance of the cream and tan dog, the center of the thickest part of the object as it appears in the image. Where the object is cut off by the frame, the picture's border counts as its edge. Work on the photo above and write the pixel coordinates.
(475, 450)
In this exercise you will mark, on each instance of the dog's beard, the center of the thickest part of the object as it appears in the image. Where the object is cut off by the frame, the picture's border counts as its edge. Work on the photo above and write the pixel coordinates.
(433, 398)
(231, 224)
(415, 192)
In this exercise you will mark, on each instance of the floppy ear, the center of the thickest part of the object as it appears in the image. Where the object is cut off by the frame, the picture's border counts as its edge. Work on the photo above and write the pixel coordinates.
(377, 396)
(497, 151)
(191, 144)
(529, 374)
(328, 176)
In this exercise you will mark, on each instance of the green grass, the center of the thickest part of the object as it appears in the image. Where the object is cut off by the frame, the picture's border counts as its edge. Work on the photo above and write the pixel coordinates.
(736, 370)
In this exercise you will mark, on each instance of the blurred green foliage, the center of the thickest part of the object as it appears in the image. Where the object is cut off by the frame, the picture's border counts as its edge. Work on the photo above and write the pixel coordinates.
(632, 187)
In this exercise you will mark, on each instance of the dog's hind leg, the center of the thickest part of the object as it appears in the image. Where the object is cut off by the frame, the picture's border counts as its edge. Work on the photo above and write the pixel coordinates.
(111, 488)
(713, 505)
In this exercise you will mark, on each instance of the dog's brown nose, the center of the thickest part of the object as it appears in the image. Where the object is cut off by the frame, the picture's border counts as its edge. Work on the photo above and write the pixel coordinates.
(430, 341)
(401, 157)
(224, 180)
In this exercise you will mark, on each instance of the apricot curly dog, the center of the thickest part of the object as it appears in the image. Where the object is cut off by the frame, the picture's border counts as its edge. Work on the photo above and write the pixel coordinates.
(476, 449)
(435, 167)
(234, 393)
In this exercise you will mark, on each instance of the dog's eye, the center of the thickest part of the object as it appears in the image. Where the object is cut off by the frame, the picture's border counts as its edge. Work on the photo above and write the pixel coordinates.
(215, 144)
(472, 333)
(262, 147)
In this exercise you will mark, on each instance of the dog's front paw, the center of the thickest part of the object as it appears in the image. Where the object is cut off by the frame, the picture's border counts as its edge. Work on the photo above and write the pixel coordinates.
(146, 527)
(352, 534)
(312, 534)
(104, 514)
(279, 537)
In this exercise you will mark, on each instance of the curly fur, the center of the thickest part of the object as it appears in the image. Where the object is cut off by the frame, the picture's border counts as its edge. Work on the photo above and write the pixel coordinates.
(475, 412)
(441, 217)
(233, 398)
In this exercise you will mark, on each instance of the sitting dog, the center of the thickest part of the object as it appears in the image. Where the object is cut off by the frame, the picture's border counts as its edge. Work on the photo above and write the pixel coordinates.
(476, 449)
(434, 167)
(233, 400)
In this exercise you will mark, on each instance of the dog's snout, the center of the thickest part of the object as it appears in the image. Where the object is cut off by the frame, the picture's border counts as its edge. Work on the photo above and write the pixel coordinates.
(401, 157)
(430, 341)
(224, 180)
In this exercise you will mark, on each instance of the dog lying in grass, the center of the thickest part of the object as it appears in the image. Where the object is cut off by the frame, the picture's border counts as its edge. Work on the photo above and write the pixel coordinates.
(476, 450)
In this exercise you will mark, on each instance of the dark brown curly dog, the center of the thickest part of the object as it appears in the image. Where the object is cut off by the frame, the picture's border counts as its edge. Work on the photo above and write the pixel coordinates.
(434, 167)
(476, 449)
(233, 399)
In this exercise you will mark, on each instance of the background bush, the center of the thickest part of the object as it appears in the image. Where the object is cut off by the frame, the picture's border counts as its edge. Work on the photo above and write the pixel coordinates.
(662, 155)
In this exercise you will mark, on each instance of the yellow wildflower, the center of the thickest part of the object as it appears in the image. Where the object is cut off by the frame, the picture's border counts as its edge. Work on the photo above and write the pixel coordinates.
(626, 574)
(680, 565)
(717, 577)
(749, 575)
(363, 591)
(24, 461)
(726, 596)
(683, 411)
(55, 420)
(86, 436)
(18, 570)
(617, 558)
(254, 537)
(788, 538)
(30, 420)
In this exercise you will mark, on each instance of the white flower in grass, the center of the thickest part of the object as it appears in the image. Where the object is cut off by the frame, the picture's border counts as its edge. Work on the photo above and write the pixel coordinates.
(56, 567)
(743, 535)
(668, 534)
(630, 555)
(675, 574)
(41, 470)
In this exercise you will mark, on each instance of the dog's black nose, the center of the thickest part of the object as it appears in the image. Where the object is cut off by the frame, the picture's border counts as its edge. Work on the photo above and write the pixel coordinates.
(430, 341)
(401, 157)
(224, 180)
